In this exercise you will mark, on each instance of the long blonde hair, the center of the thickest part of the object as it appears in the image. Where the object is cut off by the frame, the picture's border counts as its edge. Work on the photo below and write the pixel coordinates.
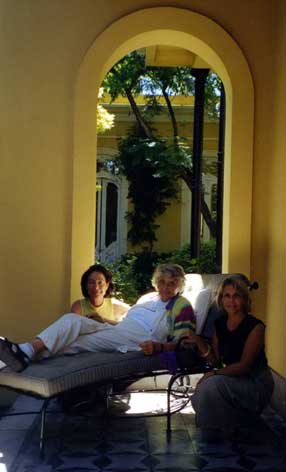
(242, 289)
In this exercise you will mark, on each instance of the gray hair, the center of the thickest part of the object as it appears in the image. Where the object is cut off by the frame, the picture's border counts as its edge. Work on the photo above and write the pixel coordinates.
(173, 270)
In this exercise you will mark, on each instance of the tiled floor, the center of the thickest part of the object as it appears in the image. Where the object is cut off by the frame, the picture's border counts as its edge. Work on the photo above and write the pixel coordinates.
(98, 442)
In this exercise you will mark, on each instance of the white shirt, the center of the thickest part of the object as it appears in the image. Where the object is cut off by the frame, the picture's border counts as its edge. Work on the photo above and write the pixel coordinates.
(150, 315)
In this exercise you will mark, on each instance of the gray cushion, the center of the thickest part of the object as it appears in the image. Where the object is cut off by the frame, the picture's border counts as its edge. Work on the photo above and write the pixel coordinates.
(51, 377)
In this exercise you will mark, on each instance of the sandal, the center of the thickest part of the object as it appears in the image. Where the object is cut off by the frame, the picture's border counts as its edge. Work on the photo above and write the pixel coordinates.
(12, 355)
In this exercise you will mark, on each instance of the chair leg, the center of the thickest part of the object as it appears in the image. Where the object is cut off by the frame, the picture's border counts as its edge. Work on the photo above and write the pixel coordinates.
(42, 430)
(169, 388)
(169, 431)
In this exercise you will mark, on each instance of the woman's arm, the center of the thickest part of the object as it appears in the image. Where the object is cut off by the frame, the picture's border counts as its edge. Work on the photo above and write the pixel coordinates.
(252, 348)
(184, 319)
(75, 308)
(205, 350)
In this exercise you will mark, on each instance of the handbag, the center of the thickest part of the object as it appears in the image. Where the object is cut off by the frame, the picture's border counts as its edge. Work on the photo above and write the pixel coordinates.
(187, 355)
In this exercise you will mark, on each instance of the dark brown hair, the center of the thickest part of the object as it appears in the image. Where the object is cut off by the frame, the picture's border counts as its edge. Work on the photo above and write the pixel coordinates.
(96, 268)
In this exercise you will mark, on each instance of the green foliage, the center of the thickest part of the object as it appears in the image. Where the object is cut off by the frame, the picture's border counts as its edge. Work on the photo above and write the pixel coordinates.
(125, 75)
(212, 96)
(151, 188)
(132, 275)
(204, 264)
(105, 120)
(207, 260)
(172, 80)
(133, 272)
(130, 73)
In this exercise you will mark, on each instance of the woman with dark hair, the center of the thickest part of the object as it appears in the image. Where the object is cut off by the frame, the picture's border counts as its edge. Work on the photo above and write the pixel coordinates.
(96, 286)
(240, 384)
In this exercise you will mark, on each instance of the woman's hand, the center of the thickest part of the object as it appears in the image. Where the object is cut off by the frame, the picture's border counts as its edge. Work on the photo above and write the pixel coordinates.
(147, 347)
(96, 317)
(191, 338)
(150, 347)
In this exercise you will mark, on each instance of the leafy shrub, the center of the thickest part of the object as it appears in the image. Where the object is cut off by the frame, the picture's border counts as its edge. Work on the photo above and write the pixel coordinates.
(207, 261)
(133, 272)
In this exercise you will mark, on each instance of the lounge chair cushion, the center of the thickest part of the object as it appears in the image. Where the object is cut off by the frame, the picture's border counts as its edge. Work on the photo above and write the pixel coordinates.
(53, 376)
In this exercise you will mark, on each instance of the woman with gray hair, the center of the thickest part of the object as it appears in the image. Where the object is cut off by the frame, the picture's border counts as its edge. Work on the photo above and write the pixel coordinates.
(154, 324)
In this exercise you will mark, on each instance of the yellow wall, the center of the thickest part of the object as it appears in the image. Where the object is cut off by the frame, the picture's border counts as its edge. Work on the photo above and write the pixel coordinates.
(46, 231)
(269, 204)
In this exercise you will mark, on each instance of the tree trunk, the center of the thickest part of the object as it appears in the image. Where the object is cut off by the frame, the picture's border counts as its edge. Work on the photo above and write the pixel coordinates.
(138, 115)
(172, 116)
(210, 222)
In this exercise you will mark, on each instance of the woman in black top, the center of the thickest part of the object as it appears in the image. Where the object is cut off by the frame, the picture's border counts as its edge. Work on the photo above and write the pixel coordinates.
(241, 384)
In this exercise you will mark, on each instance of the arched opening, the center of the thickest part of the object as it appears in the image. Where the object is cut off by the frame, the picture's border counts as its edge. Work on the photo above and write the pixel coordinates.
(194, 32)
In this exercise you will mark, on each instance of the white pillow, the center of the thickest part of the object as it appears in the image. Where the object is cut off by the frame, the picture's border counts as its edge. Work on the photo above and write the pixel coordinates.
(193, 282)
(147, 297)
(200, 301)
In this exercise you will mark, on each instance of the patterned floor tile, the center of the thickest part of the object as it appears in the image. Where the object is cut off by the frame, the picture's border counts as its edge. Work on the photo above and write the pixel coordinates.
(89, 449)
(41, 468)
(219, 463)
(17, 423)
(76, 469)
(225, 468)
(170, 462)
(125, 436)
(267, 463)
(133, 447)
(126, 462)
(77, 461)
(179, 444)
(220, 449)
(11, 443)
(94, 442)
(159, 423)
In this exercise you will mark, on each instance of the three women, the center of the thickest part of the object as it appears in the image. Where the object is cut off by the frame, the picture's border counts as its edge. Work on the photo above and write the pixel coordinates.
(238, 387)
(158, 322)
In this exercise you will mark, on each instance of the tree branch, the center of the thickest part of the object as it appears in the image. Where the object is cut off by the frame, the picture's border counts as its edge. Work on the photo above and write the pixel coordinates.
(138, 115)
(172, 115)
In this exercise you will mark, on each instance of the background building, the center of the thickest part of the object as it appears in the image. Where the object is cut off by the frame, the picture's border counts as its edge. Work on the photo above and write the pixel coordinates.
(111, 226)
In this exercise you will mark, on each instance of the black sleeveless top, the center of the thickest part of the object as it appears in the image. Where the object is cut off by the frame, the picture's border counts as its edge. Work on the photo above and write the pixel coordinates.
(231, 343)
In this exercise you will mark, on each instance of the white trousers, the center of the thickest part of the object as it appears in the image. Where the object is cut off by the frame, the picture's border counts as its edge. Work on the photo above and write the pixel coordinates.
(74, 333)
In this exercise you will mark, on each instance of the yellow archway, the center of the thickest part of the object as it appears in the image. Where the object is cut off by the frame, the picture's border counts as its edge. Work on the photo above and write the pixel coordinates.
(199, 34)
